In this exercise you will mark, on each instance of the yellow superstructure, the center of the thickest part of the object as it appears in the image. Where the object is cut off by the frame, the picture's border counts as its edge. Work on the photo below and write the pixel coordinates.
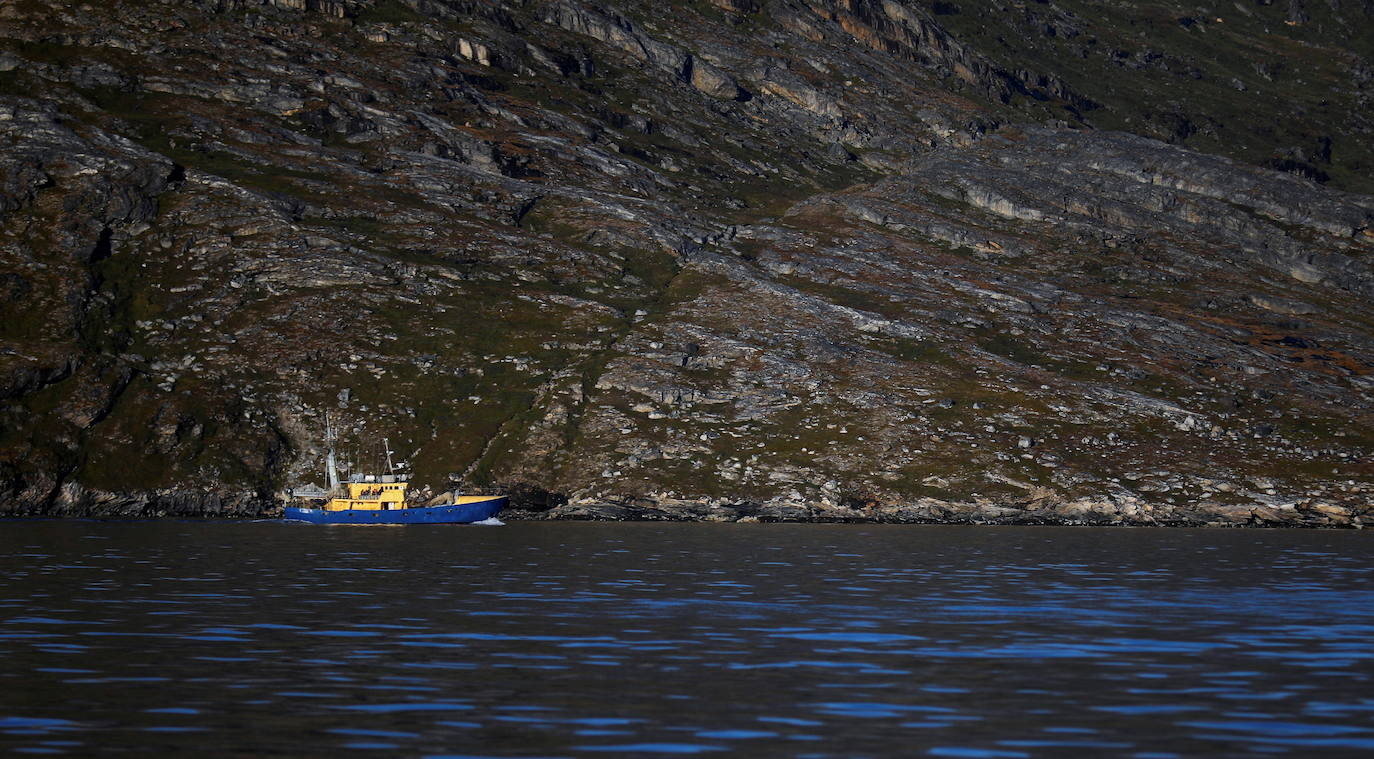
(370, 496)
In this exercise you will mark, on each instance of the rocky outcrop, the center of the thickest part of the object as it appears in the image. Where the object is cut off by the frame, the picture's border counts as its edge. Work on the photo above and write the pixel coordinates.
(74, 500)
(620, 34)
(1123, 511)
(732, 261)
(910, 31)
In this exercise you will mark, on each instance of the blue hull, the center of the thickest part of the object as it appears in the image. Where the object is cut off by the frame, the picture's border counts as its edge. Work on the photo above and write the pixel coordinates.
(463, 513)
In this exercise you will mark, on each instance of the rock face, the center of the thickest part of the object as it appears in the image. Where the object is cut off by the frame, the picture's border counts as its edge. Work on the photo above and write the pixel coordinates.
(794, 260)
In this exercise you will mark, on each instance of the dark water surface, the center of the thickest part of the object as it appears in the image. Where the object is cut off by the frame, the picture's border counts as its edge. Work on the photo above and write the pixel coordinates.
(604, 640)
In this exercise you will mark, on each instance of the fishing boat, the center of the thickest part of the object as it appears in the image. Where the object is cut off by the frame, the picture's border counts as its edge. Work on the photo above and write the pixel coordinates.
(381, 499)
(368, 503)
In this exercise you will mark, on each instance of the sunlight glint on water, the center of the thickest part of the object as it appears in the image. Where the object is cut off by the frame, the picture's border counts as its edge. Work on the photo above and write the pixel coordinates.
(580, 640)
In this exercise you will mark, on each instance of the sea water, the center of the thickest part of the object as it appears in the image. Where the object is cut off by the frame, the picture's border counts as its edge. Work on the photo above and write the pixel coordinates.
(604, 640)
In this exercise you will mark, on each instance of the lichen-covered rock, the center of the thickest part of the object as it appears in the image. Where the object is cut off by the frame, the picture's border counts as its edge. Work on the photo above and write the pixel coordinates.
(728, 261)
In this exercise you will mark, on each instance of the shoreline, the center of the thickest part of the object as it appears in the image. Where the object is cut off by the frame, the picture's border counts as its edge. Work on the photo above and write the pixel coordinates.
(1076, 513)
(1110, 511)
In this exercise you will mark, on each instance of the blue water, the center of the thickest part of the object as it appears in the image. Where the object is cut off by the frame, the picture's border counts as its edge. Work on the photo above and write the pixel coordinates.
(606, 640)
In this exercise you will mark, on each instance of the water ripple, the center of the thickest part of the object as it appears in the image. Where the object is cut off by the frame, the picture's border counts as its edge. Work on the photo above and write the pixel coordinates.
(568, 640)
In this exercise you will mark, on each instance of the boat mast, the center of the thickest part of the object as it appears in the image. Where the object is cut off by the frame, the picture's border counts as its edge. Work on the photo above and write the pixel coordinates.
(391, 470)
(331, 470)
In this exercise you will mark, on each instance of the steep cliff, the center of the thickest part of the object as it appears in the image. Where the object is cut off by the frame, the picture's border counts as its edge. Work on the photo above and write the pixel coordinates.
(797, 259)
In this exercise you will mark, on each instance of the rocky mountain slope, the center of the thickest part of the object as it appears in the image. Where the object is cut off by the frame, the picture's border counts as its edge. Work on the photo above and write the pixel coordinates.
(788, 259)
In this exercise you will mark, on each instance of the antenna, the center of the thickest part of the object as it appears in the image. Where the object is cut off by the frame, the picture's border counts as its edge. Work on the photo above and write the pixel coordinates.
(331, 470)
